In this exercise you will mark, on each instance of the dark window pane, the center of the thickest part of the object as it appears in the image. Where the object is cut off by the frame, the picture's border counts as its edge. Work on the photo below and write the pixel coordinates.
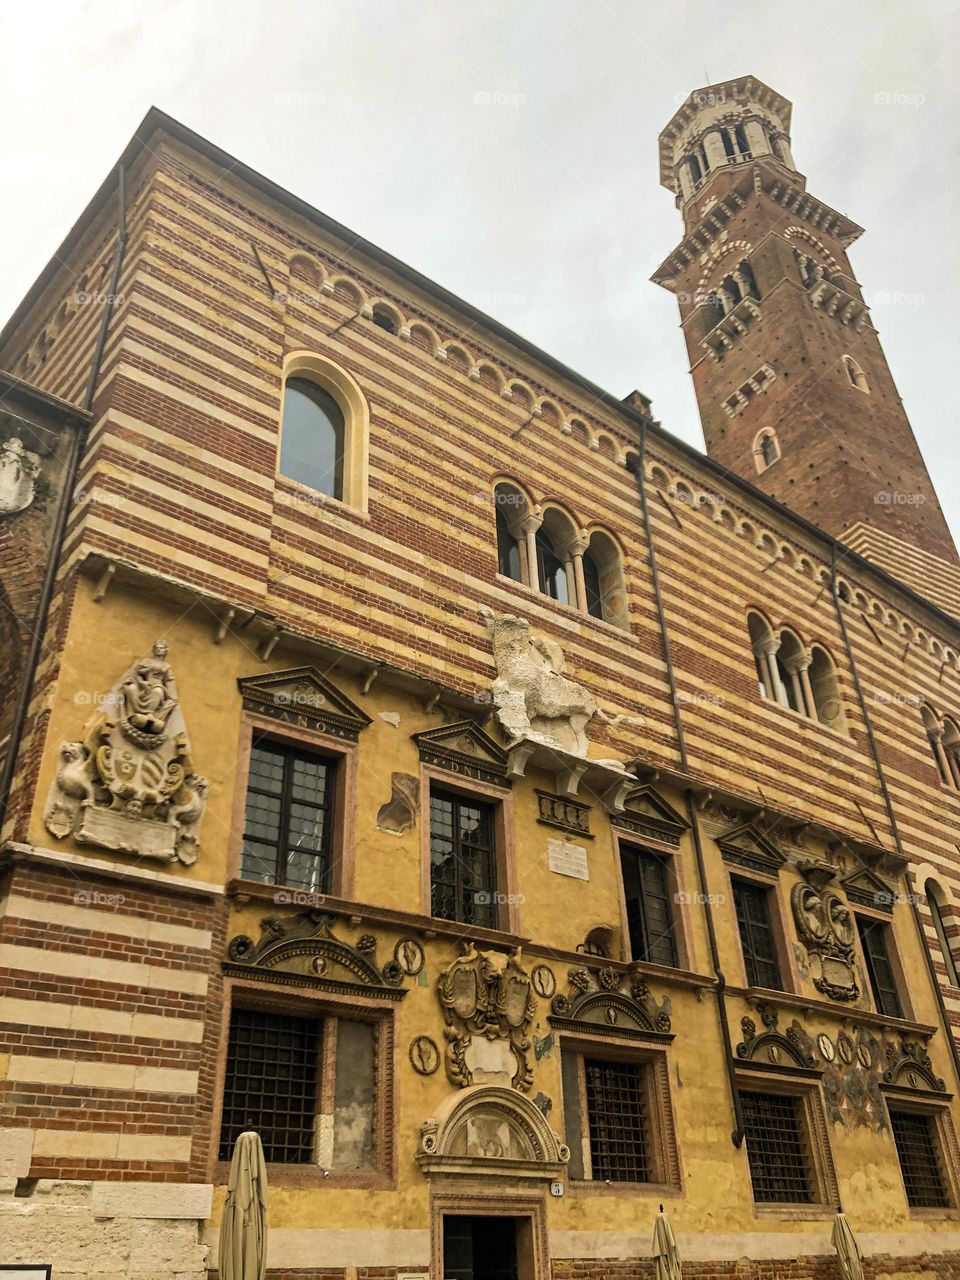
(752, 904)
(873, 937)
(591, 580)
(508, 549)
(649, 915)
(311, 441)
(286, 834)
(917, 1148)
(776, 1149)
(617, 1115)
(552, 570)
(271, 1084)
(463, 873)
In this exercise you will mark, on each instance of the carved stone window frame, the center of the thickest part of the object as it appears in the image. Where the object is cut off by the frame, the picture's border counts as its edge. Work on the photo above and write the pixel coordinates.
(507, 1200)
(779, 915)
(937, 1108)
(796, 1083)
(354, 1007)
(662, 1118)
(676, 887)
(883, 916)
(346, 758)
(501, 798)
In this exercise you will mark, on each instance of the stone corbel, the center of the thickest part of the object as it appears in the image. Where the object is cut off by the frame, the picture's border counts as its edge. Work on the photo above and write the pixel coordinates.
(103, 583)
(568, 780)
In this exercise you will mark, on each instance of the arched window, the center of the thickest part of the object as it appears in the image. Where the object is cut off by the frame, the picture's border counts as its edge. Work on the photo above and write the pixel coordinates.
(766, 449)
(312, 437)
(789, 659)
(951, 749)
(603, 580)
(856, 375)
(743, 146)
(763, 644)
(827, 704)
(932, 894)
(511, 508)
(551, 570)
(384, 319)
(696, 173)
(324, 429)
(727, 144)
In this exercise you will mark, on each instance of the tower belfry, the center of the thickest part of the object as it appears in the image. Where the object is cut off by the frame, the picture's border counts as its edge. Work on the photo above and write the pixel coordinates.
(792, 384)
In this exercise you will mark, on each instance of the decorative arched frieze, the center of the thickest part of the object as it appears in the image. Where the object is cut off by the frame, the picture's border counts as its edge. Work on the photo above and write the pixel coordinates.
(491, 1131)
(771, 1045)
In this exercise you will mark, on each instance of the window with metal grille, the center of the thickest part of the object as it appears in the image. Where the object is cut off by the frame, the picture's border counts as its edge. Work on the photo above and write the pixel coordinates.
(776, 1148)
(618, 1119)
(649, 916)
(752, 903)
(873, 938)
(272, 1084)
(286, 834)
(463, 864)
(918, 1152)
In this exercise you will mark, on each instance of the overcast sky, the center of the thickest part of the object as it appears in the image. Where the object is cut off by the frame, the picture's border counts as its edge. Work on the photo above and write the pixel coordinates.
(508, 149)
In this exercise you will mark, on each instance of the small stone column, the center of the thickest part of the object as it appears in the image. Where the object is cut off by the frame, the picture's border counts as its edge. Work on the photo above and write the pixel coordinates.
(528, 526)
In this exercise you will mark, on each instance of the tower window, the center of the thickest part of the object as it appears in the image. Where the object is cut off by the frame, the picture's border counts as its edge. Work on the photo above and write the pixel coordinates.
(508, 549)
(728, 146)
(856, 375)
(766, 449)
(385, 320)
(743, 146)
(944, 738)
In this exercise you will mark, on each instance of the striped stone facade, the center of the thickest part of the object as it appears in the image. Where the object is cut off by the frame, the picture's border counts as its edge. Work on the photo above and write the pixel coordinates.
(118, 982)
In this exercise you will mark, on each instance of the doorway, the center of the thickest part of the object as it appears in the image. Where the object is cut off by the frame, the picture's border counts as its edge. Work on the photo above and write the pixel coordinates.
(479, 1248)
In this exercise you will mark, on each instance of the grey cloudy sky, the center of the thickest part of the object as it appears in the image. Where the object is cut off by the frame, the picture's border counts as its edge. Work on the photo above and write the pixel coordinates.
(508, 150)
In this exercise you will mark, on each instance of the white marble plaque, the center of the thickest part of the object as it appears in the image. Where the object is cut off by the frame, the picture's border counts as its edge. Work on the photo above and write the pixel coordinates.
(568, 859)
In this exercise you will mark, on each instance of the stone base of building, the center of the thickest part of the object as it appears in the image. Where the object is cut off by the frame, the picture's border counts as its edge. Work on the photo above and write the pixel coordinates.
(103, 1230)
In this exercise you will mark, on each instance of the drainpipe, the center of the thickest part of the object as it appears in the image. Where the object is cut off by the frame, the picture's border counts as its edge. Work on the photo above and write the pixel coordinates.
(77, 445)
(891, 816)
(737, 1135)
(738, 1132)
(658, 597)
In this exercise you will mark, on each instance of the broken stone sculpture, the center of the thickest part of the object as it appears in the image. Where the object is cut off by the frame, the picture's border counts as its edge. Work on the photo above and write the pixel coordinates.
(18, 476)
(130, 784)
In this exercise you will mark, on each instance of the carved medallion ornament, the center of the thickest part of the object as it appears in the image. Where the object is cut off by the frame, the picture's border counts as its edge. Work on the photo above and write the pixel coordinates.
(612, 1002)
(302, 950)
(825, 927)
(488, 1006)
(130, 785)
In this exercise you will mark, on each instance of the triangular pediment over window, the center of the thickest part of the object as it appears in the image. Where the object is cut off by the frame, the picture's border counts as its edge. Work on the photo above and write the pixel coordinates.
(464, 748)
(746, 846)
(866, 889)
(647, 814)
(302, 696)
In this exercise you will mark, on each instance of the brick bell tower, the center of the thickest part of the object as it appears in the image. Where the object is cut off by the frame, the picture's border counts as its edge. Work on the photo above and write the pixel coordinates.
(791, 380)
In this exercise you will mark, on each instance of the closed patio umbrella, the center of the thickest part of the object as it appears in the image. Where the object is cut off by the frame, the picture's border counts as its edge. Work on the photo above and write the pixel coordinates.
(665, 1249)
(243, 1228)
(848, 1251)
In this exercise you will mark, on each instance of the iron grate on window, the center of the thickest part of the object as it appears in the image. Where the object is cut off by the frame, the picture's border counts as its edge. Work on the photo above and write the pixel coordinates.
(271, 1084)
(917, 1152)
(617, 1114)
(776, 1149)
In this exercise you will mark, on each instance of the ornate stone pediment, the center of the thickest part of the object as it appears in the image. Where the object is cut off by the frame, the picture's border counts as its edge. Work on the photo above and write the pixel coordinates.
(304, 697)
(771, 1047)
(130, 786)
(488, 1005)
(908, 1066)
(647, 815)
(490, 1130)
(302, 950)
(465, 749)
(826, 929)
(747, 846)
(612, 1002)
(867, 889)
